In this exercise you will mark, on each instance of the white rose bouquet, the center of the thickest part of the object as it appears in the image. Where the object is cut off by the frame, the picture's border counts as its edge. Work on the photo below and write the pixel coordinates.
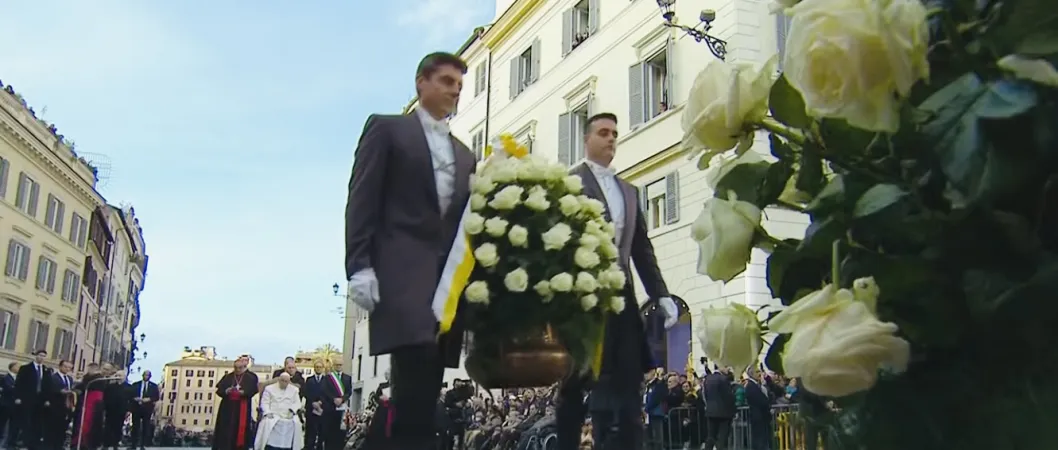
(544, 255)
(920, 140)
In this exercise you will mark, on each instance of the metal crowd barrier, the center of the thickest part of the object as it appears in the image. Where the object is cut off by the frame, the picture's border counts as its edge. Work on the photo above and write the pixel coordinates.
(687, 427)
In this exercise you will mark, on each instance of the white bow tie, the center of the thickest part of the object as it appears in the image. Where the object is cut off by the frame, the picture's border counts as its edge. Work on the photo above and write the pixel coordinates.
(440, 127)
(603, 172)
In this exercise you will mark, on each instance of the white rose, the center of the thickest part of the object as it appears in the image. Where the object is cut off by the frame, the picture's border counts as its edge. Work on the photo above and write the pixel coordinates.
(543, 288)
(589, 301)
(608, 249)
(477, 202)
(519, 236)
(591, 205)
(609, 229)
(507, 198)
(724, 98)
(594, 228)
(496, 227)
(589, 241)
(477, 292)
(516, 280)
(613, 278)
(481, 184)
(866, 290)
(573, 184)
(474, 224)
(537, 201)
(722, 165)
(826, 61)
(837, 346)
(585, 258)
(556, 172)
(557, 236)
(585, 282)
(486, 255)
(731, 336)
(617, 304)
(562, 282)
(504, 173)
(569, 205)
(724, 232)
(530, 170)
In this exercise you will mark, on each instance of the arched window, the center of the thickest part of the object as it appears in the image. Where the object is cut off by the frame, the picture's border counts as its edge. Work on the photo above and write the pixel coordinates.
(671, 347)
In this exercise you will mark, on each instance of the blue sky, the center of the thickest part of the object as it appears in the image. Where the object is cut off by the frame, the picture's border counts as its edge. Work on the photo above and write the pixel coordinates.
(230, 126)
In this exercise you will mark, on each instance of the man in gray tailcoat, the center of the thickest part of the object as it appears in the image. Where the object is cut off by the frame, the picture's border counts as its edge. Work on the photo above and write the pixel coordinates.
(615, 401)
(409, 186)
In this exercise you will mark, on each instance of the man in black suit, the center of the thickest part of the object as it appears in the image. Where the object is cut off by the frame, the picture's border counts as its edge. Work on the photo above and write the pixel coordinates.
(615, 400)
(758, 397)
(337, 389)
(145, 397)
(313, 394)
(409, 186)
(720, 408)
(32, 385)
(60, 411)
(290, 367)
(7, 399)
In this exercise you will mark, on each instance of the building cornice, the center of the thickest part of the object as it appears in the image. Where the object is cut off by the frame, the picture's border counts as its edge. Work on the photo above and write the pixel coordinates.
(513, 18)
(15, 131)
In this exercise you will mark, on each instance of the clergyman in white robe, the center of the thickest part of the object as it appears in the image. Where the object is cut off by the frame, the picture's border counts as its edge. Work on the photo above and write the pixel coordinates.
(280, 426)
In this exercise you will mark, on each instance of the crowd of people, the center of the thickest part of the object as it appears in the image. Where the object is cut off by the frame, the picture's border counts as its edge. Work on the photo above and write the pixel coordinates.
(43, 405)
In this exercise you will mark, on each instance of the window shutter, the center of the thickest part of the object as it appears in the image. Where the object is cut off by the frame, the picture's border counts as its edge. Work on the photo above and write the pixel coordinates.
(565, 142)
(567, 31)
(10, 269)
(782, 29)
(33, 327)
(60, 217)
(23, 272)
(42, 336)
(12, 332)
(56, 345)
(34, 197)
(636, 108)
(644, 202)
(593, 16)
(20, 191)
(49, 211)
(670, 72)
(4, 168)
(53, 269)
(672, 198)
(479, 79)
(42, 273)
(590, 104)
(515, 85)
(534, 68)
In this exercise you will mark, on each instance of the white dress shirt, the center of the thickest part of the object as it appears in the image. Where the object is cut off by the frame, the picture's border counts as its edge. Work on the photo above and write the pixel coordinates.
(615, 199)
(439, 139)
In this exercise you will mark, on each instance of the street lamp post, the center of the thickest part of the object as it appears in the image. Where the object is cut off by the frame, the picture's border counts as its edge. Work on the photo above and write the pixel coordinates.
(699, 32)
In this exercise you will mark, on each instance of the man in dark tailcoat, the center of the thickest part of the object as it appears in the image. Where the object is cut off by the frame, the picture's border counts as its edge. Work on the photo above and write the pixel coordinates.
(615, 400)
(145, 396)
(234, 422)
(409, 186)
(32, 402)
(720, 408)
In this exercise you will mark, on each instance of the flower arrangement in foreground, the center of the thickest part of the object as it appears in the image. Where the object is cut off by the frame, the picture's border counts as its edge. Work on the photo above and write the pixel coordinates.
(919, 139)
(544, 256)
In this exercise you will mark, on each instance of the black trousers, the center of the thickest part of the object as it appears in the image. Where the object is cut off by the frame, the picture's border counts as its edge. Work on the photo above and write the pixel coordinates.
(612, 429)
(313, 431)
(54, 429)
(27, 422)
(142, 429)
(719, 433)
(5, 416)
(333, 438)
(415, 373)
(113, 425)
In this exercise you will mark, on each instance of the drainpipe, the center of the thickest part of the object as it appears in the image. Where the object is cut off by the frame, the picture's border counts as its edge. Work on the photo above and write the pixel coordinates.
(488, 94)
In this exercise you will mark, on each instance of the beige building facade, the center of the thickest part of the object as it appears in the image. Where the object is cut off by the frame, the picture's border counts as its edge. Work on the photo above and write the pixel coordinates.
(56, 237)
(188, 388)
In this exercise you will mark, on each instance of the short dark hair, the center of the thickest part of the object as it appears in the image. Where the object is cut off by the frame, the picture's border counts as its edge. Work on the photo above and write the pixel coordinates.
(600, 116)
(13, 364)
(430, 63)
(288, 358)
(38, 352)
(64, 361)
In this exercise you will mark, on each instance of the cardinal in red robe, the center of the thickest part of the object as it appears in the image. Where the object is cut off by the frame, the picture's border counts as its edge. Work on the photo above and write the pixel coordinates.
(234, 423)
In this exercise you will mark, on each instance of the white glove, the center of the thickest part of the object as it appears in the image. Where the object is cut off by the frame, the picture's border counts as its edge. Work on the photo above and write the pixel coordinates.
(363, 289)
(671, 312)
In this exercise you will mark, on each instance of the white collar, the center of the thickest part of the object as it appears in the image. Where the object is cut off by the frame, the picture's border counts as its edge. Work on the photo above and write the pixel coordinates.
(599, 170)
(439, 126)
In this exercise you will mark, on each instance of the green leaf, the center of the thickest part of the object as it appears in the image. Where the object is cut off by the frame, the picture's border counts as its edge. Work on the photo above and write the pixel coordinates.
(787, 105)
(877, 198)
(1027, 27)
(773, 360)
(780, 260)
(779, 148)
(774, 182)
(810, 177)
(955, 129)
(831, 197)
(791, 274)
(745, 181)
(820, 236)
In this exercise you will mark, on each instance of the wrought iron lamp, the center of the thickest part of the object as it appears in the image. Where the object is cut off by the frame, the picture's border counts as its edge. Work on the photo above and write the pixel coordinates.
(700, 32)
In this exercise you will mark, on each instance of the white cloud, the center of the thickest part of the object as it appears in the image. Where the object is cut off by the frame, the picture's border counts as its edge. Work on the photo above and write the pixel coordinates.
(444, 20)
